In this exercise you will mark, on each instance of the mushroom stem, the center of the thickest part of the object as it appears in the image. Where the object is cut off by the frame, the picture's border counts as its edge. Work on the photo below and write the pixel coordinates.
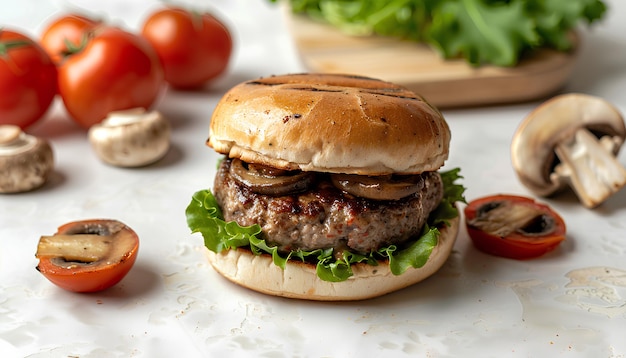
(13, 141)
(82, 248)
(9, 134)
(589, 167)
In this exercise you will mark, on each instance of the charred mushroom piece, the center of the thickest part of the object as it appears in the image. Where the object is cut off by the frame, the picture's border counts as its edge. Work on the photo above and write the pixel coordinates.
(571, 140)
(270, 181)
(386, 187)
(131, 138)
(25, 160)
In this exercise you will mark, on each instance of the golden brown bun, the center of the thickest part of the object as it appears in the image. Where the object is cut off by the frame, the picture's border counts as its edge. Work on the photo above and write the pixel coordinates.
(330, 123)
(299, 280)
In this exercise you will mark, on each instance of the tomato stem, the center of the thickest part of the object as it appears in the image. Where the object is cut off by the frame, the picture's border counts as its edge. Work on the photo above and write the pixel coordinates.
(5, 46)
(71, 48)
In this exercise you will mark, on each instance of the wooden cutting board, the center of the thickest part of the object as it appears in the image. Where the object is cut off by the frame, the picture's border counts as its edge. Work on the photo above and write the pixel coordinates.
(444, 83)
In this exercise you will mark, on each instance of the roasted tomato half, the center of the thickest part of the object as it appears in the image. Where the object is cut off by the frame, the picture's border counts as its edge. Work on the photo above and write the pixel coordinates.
(89, 255)
(513, 226)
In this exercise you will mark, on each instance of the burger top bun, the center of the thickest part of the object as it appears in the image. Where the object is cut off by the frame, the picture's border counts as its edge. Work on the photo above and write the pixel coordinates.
(330, 123)
(299, 280)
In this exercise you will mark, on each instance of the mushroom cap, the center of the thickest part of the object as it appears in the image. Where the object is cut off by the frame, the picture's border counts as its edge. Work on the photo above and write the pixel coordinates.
(131, 138)
(25, 161)
(556, 121)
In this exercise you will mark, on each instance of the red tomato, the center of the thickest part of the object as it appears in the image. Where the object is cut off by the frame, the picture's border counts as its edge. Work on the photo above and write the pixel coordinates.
(115, 70)
(66, 33)
(88, 255)
(513, 226)
(194, 47)
(27, 80)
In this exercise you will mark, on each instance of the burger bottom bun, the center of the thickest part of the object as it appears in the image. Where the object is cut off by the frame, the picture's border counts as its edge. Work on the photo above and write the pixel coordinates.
(299, 280)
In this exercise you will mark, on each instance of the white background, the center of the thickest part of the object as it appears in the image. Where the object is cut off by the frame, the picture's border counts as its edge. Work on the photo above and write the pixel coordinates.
(173, 304)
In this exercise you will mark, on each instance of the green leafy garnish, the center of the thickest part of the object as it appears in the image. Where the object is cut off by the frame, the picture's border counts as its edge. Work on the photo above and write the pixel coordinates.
(205, 217)
(495, 32)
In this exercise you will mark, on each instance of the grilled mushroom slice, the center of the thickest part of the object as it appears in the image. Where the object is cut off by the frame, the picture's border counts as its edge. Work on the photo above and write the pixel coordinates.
(270, 181)
(385, 187)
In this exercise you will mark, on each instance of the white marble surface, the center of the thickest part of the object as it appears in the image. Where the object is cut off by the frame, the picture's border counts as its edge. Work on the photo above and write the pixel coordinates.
(571, 303)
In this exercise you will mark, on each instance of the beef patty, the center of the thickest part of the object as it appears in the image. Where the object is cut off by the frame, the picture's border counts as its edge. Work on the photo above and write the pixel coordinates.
(325, 217)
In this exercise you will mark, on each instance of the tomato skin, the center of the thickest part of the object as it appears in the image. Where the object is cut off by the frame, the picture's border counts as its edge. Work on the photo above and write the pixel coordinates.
(515, 245)
(85, 279)
(28, 80)
(194, 48)
(116, 70)
(70, 28)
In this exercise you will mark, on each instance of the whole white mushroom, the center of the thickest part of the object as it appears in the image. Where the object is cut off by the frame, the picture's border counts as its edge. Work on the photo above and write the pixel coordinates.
(572, 141)
(25, 160)
(131, 138)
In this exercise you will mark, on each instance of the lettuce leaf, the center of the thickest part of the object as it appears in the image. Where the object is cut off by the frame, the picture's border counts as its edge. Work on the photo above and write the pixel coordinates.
(205, 217)
(495, 32)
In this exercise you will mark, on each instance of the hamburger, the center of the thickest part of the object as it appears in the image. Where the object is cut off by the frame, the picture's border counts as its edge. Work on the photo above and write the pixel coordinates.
(328, 188)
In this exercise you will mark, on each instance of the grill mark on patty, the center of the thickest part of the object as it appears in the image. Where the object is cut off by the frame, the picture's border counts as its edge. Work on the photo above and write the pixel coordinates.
(325, 217)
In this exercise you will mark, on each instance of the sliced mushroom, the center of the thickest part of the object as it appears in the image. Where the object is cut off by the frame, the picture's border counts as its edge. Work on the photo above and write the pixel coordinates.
(25, 160)
(387, 187)
(571, 140)
(88, 242)
(270, 181)
(131, 138)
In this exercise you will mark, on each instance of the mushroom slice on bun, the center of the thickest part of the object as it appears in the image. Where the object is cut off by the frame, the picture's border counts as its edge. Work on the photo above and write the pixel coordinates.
(329, 188)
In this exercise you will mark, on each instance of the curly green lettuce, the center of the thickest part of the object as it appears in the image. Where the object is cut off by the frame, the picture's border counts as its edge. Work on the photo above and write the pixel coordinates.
(498, 32)
(205, 217)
